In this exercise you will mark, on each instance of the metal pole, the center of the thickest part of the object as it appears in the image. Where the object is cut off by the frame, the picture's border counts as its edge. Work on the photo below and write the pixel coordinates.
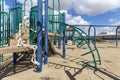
(46, 33)
(8, 26)
(24, 7)
(59, 42)
(0, 24)
(64, 38)
(39, 38)
(53, 6)
(53, 17)
(15, 55)
(14, 17)
(59, 6)
(25, 3)
(59, 38)
(94, 34)
(1, 56)
(3, 39)
(117, 36)
(89, 34)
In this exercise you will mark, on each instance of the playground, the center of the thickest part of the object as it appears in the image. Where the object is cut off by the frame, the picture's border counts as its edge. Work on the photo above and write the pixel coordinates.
(42, 46)
(70, 68)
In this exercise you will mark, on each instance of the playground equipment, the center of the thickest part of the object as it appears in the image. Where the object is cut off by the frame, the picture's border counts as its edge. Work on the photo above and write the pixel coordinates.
(43, 28)
(84, 41)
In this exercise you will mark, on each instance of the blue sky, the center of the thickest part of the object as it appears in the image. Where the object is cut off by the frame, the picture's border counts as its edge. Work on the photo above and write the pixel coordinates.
(102, 19)
(8, 2)
(111, 16)
(86, 12)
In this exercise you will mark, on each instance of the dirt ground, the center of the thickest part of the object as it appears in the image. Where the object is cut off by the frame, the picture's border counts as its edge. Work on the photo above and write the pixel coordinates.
(70, 68)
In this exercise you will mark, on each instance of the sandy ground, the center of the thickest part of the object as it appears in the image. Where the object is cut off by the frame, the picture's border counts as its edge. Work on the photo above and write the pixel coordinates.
(71, 68)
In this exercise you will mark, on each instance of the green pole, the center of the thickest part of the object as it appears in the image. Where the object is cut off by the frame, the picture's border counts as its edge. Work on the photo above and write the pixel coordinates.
(53, 16)
(3, 23)
(3, 37)
(25, 5)
(59, 6)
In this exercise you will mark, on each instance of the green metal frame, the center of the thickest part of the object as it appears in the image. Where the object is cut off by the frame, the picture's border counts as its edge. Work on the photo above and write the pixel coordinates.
(4, 32)
(25, 4)
(83, 35)
(1, 44)
(19, 18)
(53, 27)
(33, 25)
(77, 40)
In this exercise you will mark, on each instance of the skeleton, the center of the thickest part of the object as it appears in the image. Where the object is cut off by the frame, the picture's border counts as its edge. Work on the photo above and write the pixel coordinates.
(26, 21)
(34, 48)
(21, 42)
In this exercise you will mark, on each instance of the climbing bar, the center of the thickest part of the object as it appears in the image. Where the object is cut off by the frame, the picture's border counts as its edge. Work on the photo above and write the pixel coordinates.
(84, 36)
(88, 52)
(91, 61)
(82, 43)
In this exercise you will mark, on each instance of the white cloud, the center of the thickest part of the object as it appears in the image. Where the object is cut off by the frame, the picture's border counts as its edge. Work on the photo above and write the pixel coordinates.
(116, 23)
(75, 19)
(90, 7)
(108, 29)
(69, 18)
(112, 20)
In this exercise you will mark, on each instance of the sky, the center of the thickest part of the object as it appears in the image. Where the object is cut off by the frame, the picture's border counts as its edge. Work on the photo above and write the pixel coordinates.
(85, 12)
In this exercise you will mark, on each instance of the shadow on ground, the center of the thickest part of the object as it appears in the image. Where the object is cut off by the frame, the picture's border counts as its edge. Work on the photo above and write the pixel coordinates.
(107, 73)
(78, 71)
(22, 65)
(25, 64)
